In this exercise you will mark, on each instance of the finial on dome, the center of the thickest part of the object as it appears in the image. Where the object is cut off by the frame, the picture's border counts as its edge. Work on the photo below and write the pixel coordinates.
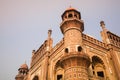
(24, 66)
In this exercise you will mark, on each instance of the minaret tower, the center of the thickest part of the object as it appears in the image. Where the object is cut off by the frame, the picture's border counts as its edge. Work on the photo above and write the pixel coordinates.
(75, 61)
(104, 31)
(49, 40)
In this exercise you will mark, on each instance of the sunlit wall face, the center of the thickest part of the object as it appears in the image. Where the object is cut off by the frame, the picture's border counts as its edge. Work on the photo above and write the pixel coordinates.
(24, 25)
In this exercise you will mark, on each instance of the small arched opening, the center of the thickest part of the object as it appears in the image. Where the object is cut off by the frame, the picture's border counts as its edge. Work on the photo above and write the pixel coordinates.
(36, 78)
(79, 48)
(70, 16)
(66, 50)
(59, 71)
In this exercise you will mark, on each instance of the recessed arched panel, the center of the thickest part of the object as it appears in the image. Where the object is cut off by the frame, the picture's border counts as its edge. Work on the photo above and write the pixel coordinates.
(96, 59)
(70, 16)
(59, 71)
(98, 67)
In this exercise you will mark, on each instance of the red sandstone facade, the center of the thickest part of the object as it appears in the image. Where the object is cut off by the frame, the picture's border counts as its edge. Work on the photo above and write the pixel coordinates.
(77, 56)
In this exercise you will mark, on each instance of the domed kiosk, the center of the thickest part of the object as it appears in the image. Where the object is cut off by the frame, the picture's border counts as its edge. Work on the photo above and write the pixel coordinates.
(22, 72)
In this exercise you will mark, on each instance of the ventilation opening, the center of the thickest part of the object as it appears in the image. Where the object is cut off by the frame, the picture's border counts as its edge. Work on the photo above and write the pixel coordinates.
(92, 67)
(66, 50)
(79, 48)
(59, 77)
(100, 74)
(70, 15)
(23, 72)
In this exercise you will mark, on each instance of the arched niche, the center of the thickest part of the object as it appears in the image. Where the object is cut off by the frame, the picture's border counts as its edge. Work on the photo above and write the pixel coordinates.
(59, 71)
(98, 67)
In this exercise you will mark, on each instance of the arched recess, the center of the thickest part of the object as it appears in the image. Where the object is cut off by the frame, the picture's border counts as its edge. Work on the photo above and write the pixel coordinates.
(35, 78)
(98, 68)
(70, 15)
(59, 71)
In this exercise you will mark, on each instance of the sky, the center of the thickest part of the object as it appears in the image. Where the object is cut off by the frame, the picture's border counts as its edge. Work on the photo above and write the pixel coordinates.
(24, 25)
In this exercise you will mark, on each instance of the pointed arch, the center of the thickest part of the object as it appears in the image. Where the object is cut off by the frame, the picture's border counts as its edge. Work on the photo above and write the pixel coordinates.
(96, 59)
(59, 71)
(98, 67)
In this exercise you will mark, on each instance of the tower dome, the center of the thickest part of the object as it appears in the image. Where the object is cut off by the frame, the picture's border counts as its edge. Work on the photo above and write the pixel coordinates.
(72, 18)
(23, 69)
(71, 13)
(24, 66)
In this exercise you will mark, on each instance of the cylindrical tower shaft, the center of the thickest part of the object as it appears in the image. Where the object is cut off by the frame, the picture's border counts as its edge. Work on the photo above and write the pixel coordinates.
(76, 66)
(72, 27)
(75, 61)
(72, 34)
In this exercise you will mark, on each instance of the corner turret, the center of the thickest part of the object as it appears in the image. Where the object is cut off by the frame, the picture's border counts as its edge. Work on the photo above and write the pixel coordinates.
(22, 72)
(75, 61)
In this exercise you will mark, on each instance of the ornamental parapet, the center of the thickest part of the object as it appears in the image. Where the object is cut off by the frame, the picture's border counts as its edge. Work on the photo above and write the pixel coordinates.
(57, 46)
(113, 39)
(94, 41)
(39, 53)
